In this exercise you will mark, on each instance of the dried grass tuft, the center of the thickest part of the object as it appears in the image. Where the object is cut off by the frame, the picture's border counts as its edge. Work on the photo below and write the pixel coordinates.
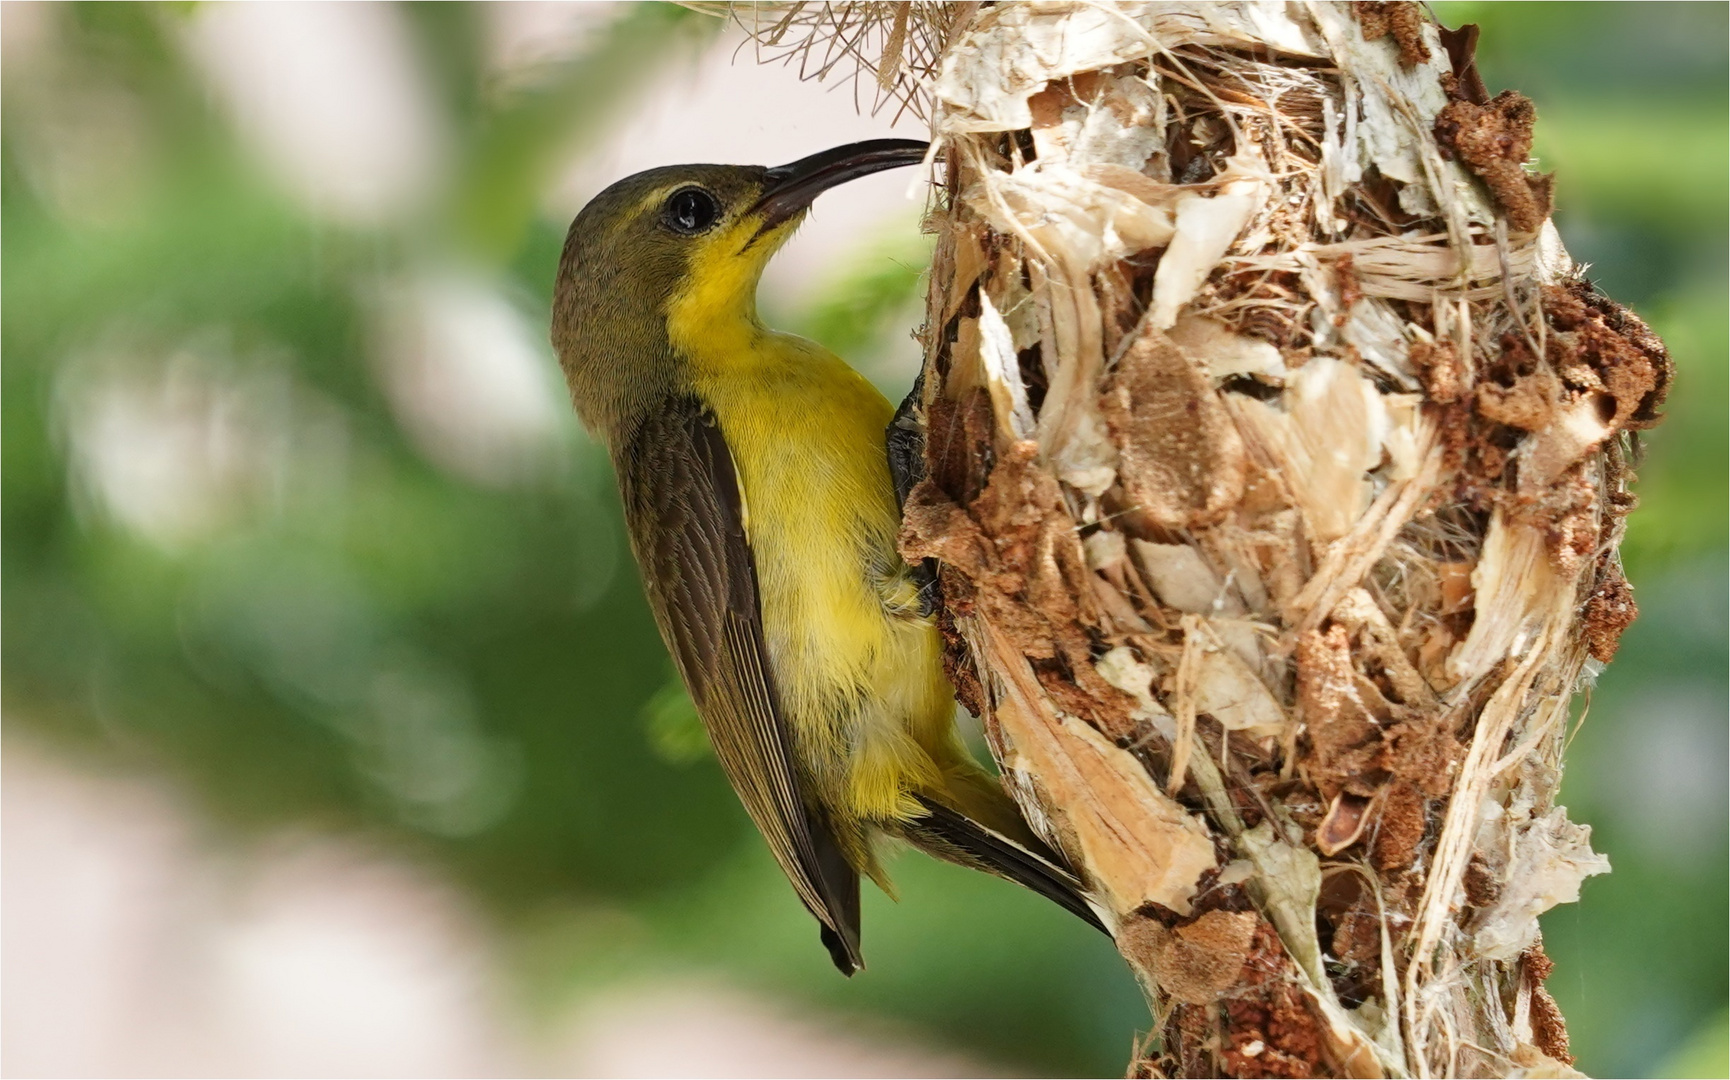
(893, 48)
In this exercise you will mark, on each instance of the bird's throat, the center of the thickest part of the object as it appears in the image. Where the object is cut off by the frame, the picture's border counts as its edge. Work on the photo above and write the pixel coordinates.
(712, 321)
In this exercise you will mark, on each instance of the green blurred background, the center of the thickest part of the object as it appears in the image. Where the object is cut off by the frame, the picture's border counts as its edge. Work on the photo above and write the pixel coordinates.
(257, 544)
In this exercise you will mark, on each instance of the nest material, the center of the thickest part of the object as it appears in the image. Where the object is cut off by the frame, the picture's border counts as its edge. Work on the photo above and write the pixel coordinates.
(896, 46)
(1277, 470)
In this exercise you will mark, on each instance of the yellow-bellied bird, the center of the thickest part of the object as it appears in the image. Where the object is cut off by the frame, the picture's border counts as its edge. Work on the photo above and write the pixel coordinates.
(761, 510)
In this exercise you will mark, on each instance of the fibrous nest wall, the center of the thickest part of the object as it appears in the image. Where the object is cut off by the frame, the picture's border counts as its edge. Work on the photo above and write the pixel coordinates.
(1277, 459)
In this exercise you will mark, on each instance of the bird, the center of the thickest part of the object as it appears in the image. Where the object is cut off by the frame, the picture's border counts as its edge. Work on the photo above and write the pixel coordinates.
(761, 510)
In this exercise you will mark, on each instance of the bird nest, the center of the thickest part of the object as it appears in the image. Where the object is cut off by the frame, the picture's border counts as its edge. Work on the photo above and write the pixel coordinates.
(1277, 461)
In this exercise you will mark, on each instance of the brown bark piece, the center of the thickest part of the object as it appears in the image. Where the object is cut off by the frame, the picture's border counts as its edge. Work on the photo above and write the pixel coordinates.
(1358, 740)
(1480, 882)
(1539, 966)
(932, 526)
(1344, 824)
(1025, 573)
(1599, 345)
(1197, 962)
(1549, 1029)
(1603, 372)
(1530, 404)
(1405, 21)
(1195, 1038)
(1423, 751)
(1464, 83)
(958, 664)
(1609, 611)
(1358, 938)
(1341, 731)
(1350, 287)
(1400, 827)
(958, 443)
(1182, 460)
(1494, 141)
(1439, 365)
(1269, 1025)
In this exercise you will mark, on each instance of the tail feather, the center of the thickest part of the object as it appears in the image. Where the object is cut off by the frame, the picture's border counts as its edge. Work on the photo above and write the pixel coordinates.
(839, 883)
(953, 836)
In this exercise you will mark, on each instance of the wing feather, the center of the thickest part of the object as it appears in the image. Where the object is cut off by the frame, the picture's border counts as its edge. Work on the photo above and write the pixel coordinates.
(682, 507)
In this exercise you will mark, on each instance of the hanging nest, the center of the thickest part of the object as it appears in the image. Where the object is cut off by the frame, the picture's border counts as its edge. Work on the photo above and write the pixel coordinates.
(1276, 465)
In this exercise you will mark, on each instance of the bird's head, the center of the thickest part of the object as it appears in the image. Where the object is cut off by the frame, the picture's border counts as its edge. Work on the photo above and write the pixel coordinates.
(669, 252)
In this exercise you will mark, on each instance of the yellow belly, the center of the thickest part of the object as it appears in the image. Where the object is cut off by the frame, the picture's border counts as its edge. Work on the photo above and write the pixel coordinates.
(860, 676)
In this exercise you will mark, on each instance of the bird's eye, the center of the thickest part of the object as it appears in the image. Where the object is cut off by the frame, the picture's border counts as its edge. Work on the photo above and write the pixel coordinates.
(690, 211)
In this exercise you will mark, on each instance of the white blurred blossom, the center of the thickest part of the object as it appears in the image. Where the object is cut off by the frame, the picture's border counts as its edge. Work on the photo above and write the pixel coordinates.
(330, 97)
(177, 444)
(473, 384)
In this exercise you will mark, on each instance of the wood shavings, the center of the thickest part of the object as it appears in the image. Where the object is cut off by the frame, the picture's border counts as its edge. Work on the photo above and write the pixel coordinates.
(1122, 669)
(1225, 351)
(1405, 267)
(1134, 857)
(1100, 119)
(1515, 592)
(1063, 212)
(1327, 439)
(1014, 301)
(1232, 694)
(1002, 369)
(1204, 229)
(1015, 50)
(1182, 579)
(986, 84)
(1381, 339)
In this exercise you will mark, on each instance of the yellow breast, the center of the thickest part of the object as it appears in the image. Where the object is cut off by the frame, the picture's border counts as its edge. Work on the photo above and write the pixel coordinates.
(861, 683)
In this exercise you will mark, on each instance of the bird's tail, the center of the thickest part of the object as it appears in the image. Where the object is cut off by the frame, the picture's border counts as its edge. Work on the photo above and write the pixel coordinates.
(838, 885)
(954, 837)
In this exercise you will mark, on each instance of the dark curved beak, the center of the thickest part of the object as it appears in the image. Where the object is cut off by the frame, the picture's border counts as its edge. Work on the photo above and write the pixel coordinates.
(794, 187)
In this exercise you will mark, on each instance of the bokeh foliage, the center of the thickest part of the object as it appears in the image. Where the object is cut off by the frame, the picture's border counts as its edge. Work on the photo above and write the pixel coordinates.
(358, 636)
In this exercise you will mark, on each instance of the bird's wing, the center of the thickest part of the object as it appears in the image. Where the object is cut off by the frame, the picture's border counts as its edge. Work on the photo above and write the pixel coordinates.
(682, 506)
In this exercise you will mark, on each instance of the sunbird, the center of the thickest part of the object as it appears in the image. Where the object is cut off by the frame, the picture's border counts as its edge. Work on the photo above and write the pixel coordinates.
(758, 497)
